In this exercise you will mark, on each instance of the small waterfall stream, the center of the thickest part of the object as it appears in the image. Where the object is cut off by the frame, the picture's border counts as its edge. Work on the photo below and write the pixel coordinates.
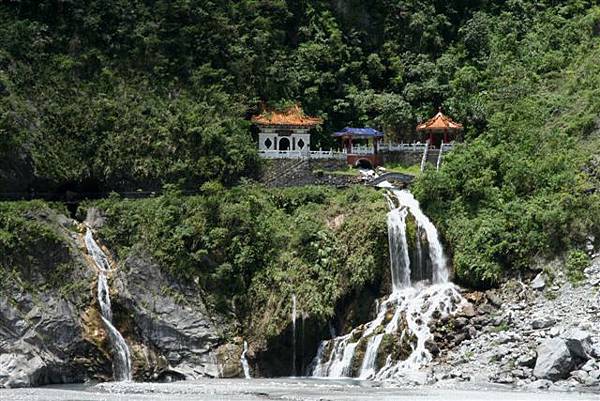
(120, 350)
(411, 305)
(293, 334)
(244, 362)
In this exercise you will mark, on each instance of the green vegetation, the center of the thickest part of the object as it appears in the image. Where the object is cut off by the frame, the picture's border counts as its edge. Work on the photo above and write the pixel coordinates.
(250, 248)
(119, 95)
(576, 263)
(520, 188)
(414, 170)
(33, 255)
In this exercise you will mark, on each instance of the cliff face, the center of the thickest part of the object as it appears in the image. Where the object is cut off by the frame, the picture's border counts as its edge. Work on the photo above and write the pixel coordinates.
(43, 311)
(189, 277)
(50, 327)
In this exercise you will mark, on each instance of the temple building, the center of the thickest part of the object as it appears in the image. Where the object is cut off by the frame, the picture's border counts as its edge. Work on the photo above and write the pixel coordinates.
(285, 131)
(439, 129)
(365, 155)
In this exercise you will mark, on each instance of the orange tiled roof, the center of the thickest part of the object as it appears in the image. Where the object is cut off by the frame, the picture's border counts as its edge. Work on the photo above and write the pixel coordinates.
(439, 122)
(292, 116)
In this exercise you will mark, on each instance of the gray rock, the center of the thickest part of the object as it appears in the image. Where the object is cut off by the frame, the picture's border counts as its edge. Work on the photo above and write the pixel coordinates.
(543, 323)
(527, 360)
(579, 343)
(596, 351)
(468, 310)
(504, 378)
(539, 282)
(589, 365)
(554, 331)
(472, 332)
(493, 298)
(554, 360)
(184, 334)
(541, 384)
(580, 375)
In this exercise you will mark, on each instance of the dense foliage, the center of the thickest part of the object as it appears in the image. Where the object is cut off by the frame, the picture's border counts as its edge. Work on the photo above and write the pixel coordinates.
(117, 94)
(250, 249)
(525, 187)
(33, 253)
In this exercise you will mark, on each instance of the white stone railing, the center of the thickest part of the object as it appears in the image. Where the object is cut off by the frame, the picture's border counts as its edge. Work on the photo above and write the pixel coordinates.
(296, 154)
(356, 150)
(417, 147)
(362, 150)
(327, 154)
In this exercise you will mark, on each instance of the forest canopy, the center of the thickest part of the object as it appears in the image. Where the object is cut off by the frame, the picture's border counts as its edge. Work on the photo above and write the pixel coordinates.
(126, 94)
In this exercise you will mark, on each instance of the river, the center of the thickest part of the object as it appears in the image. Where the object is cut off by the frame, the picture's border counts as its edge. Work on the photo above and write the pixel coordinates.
(279, 389)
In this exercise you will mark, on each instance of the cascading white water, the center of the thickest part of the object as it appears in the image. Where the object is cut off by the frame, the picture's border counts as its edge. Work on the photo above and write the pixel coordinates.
(436, 251)
(120, 350)
(368, 368)
(293, 334)
(399, 258)
(244, 362)
(414, 306)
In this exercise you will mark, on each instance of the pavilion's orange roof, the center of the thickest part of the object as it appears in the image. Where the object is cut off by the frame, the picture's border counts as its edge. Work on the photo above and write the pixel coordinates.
(291, 116)
(440, 122)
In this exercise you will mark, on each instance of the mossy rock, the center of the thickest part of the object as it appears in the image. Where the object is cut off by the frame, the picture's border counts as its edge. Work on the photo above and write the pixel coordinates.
(359, 356)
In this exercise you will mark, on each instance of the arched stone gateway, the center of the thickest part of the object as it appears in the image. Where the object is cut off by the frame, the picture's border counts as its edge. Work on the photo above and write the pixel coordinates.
(284, 144)
(364, 163)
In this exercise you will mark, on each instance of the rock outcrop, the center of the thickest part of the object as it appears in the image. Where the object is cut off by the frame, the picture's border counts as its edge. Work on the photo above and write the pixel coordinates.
(554, 360)
(527, 335)
(42, 334)
(168, 317)
(50, 328)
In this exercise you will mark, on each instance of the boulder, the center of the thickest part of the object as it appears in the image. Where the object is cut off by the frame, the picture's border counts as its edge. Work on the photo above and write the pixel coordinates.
(16, 370)
(468, 311)
(553, 361)
(493, 297)
(580, 375)
(527, 360)
(541, 384)
(539, 282)
(579, 343)
(543, 323)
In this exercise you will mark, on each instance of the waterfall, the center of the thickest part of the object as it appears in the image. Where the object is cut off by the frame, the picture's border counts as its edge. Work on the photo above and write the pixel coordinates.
(244, 362)
(436, 251)
(413, 304)
(368, 368)
(120, 350)
(399, 258)
(293, 334)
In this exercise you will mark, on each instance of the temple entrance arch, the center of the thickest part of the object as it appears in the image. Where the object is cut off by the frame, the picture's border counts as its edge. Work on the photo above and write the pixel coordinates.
(364, 163)
(284, 144)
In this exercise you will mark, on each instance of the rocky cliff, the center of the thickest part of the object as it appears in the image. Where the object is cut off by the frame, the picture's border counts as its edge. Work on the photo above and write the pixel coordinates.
(50, 330)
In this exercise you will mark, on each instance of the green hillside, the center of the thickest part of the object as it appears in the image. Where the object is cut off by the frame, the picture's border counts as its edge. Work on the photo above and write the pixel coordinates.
(121, 95)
